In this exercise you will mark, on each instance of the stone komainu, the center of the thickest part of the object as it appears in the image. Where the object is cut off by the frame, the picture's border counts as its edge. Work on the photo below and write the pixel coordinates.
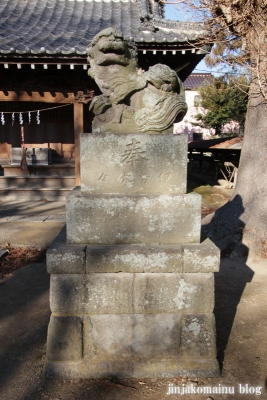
(133, 100)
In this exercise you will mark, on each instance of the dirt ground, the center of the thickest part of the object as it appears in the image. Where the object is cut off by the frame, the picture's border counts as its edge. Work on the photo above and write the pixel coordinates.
(241, 322)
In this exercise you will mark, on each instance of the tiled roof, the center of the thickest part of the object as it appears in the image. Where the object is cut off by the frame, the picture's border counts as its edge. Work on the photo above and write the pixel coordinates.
(195, 80)
(234, 143)
(66, 27)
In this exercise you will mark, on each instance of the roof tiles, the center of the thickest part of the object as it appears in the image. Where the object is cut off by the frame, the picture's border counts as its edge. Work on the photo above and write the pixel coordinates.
(195, 80)
(68, 26)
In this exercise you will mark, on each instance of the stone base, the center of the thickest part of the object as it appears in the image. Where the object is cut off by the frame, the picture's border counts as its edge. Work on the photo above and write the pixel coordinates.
(107, 338)
(65, 258)
(131, 310)
(132, 290)
(132, 345)
(194, 368)
(132, 219)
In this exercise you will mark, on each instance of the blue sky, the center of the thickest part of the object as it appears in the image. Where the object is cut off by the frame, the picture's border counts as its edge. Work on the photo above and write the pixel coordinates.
(171, 12)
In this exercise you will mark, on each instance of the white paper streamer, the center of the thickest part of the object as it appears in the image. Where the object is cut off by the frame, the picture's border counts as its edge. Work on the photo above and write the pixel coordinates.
(13, 118)
(38, 117)
(20, 119)
(2, 118)
(29, 114)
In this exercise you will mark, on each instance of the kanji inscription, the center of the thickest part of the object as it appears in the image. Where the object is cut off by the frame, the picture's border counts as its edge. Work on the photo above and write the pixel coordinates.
(164, 177)
(102, 177)
(123, 178)
(133, 153)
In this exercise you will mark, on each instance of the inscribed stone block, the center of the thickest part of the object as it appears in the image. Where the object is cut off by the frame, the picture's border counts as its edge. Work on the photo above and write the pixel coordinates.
(111, 219)
(65, 338)
(133, 163)
(133, 258)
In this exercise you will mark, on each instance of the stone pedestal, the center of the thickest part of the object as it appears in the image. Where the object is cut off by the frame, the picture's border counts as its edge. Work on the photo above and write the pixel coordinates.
(132, 289)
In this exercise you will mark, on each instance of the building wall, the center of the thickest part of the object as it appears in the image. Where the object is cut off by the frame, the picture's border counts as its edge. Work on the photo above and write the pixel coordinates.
(55, 129)
(196, 132)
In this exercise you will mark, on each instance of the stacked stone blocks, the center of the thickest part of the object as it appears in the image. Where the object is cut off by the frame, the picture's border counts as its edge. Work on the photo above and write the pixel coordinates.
(132, 289)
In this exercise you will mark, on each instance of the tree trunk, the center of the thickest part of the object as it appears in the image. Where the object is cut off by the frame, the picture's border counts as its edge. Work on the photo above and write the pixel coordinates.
(241, 224)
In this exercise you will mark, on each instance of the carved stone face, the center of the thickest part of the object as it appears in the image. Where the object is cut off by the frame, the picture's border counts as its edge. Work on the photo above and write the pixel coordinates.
(111, 50)
(162, 77)
(132, 100)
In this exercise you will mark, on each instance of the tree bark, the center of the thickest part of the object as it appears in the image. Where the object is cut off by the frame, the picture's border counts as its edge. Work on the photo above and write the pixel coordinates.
(241, 224)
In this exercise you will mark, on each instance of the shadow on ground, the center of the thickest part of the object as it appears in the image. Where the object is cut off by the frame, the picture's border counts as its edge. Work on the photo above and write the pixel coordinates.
(230, 283)
(240, 307)
(241, 318)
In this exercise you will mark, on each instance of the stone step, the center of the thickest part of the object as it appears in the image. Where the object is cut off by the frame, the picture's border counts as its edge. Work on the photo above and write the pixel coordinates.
(61, 169)
(51, 194)
(37, 182)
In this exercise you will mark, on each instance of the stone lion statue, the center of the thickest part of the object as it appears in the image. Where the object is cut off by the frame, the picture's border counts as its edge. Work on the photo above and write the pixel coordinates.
(133, 100)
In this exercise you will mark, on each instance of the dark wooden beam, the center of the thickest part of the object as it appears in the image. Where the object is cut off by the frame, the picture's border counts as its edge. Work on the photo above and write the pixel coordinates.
(46, 97)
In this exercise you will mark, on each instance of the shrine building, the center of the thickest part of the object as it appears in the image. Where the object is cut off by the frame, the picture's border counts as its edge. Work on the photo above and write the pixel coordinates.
(44, 87)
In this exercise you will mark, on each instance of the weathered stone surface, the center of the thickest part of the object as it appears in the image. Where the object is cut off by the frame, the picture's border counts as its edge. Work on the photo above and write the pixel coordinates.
(108, 293)
(79, 259)
(198, 336)
(67, 294)
(142, 293)
(63, 259)
(166, 368)
(132, 337)
(173, 293)
(165, 219)
(132, 291)
(133, 100)
(159, 345)
(133, 163)
(64, 369)
(133, 258)
(204, 257)
(65, 338)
